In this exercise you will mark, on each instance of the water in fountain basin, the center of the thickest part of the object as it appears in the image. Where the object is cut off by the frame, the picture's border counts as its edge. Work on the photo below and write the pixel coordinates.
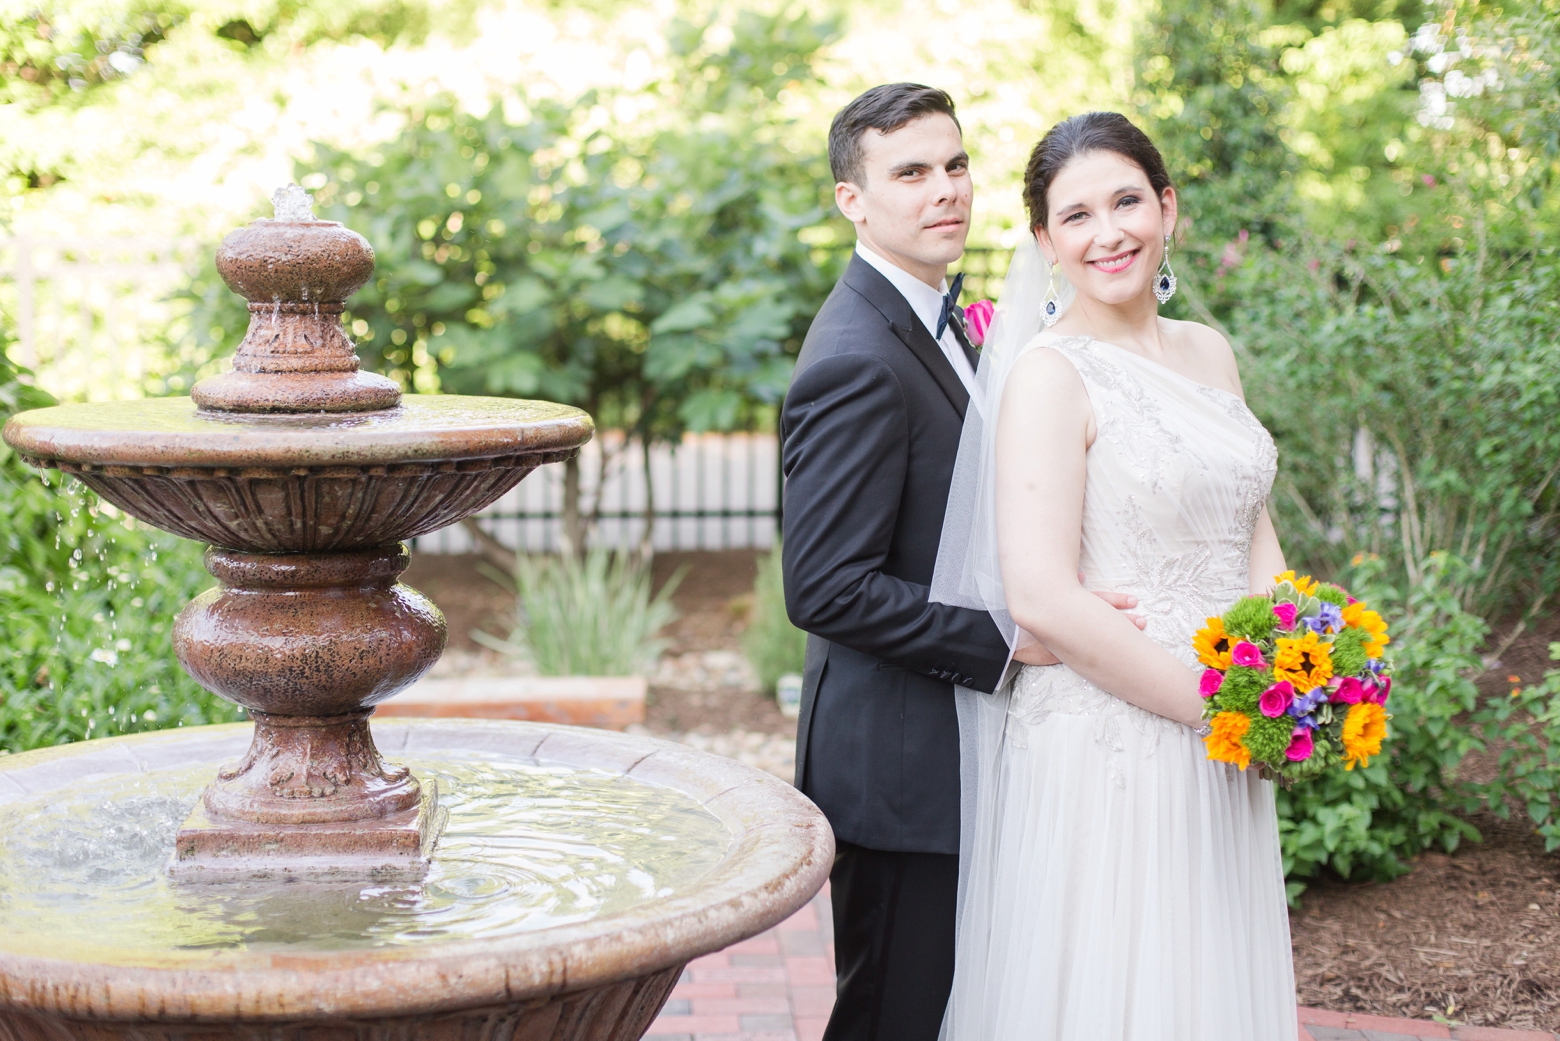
(526, 847)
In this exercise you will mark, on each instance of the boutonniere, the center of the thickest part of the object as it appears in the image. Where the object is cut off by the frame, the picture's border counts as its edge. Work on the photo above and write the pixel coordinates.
(977, 319)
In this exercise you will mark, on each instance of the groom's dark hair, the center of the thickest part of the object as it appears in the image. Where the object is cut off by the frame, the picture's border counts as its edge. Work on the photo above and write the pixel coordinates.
(884, 109)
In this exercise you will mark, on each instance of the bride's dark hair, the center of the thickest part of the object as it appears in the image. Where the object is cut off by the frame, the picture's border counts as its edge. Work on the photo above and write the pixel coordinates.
(1090, 132)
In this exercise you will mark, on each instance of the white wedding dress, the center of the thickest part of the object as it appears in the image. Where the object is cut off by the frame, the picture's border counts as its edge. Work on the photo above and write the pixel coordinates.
(1119, 886)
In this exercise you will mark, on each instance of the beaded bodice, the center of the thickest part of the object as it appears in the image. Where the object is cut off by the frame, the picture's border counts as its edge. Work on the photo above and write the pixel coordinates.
(1175, 482)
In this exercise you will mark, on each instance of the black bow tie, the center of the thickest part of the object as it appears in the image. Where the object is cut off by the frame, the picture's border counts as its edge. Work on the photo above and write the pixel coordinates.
(950, 304)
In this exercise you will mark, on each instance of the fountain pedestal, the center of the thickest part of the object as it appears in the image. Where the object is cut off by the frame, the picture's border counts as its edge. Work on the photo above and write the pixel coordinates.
(308, 642)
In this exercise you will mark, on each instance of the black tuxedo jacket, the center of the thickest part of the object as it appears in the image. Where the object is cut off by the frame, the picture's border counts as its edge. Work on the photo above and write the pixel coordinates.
(869, 432)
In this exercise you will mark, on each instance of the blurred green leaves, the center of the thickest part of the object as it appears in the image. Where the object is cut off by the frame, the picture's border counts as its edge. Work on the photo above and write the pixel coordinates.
(636, 254)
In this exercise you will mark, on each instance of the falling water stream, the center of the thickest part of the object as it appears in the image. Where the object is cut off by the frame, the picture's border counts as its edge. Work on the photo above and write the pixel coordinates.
(525, 847)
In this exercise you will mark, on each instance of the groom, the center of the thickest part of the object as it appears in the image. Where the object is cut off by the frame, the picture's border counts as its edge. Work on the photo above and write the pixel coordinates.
(870, 429)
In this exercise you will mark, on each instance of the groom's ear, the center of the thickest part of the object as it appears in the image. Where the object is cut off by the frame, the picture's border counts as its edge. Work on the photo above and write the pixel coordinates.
(847, 196)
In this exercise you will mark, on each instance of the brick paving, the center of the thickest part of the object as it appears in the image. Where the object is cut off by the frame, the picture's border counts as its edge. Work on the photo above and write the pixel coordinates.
(779, 986)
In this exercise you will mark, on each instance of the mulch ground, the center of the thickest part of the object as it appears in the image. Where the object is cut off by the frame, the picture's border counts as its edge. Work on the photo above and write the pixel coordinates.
(1473, 937)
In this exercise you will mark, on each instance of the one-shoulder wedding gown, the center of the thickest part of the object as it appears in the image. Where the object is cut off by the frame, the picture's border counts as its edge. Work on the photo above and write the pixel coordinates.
(1121, 887)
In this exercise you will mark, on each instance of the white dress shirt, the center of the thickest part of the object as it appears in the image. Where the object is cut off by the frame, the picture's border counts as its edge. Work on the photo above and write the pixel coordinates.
(926, 302)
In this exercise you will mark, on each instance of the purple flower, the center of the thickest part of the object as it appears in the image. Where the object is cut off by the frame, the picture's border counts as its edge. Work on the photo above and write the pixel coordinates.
(1277, 699)
(1286, 615)
(1210, 683)
(1300, 746)
(1330, 616)
(1248, 654)
(1305, 704)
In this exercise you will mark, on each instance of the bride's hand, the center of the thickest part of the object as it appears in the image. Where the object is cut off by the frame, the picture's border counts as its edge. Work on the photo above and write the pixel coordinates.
(1037, 653)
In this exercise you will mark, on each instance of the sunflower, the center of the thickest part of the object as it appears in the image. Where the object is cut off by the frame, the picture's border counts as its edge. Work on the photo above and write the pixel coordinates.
(1375, 629)
(1305, 661)
(1225, 744)
(1364, 728)
(1305, 584)
(1213, 645)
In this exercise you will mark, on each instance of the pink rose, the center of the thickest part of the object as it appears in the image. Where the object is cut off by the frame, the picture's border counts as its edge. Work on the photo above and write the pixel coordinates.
(1277, 699)
(1300, 745)
(977, 319)
(1379, 690)
(1349, 691)
(1210, 683)
(1248, 654)
(1286, 615)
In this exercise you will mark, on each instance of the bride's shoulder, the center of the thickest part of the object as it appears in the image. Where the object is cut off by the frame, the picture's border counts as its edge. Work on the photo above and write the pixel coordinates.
(1208, 349)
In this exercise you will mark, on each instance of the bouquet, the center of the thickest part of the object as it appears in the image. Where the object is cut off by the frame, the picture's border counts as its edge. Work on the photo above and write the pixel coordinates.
(1296, 681)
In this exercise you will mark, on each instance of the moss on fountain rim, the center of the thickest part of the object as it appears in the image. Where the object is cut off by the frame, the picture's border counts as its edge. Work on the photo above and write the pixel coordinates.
(173, 432)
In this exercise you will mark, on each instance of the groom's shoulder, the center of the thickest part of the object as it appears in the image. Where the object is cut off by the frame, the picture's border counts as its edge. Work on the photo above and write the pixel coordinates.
(851, 322)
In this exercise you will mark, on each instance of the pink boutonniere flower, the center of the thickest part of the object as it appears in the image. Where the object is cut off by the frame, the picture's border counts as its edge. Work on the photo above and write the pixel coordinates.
(977, 319)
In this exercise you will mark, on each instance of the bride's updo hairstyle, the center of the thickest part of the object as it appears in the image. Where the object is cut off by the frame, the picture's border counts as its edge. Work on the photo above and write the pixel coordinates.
(1090, 132)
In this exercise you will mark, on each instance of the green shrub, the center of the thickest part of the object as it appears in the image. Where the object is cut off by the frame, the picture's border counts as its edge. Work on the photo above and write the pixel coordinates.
(590, 616)
(773, 645)
(87, 600)
(1366, 822)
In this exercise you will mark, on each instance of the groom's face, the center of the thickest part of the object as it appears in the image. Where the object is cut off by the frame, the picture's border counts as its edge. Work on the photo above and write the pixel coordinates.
(914, 205)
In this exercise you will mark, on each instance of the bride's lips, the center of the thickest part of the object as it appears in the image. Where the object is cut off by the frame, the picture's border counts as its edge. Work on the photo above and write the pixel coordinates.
(1116, 264)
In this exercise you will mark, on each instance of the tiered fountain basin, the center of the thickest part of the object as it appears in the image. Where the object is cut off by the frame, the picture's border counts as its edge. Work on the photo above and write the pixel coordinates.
(579, 872)
(308, 627)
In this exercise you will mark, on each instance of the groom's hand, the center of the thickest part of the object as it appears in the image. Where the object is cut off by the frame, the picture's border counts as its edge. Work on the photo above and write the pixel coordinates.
(1039, 654)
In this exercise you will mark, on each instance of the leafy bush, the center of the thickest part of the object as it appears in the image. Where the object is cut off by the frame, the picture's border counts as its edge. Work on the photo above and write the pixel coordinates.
(87, 600)
(1364, 823)
(586, 616)
(773, 645)
(1414, 409)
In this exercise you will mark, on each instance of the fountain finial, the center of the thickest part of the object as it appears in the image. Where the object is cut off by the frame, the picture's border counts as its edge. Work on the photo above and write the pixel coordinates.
(293, 204)
(296, 271)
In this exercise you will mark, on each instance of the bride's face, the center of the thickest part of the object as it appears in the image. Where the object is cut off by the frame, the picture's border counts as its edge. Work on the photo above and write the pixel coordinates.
(1106, 228)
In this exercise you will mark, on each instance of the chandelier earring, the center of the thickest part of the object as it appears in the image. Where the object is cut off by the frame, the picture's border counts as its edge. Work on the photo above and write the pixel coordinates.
(1051, 306)
(1164, 281)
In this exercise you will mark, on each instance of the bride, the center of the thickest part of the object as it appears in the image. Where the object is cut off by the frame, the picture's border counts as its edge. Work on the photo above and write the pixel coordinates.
(1117, 885)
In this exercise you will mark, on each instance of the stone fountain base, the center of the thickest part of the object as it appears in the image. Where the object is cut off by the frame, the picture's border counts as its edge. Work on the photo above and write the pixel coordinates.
(601, 979)
(612, 1012)
(394, 848)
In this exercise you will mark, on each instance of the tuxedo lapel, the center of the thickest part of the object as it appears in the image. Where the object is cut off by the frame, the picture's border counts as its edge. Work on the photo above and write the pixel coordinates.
(962, 334)
(880, 292)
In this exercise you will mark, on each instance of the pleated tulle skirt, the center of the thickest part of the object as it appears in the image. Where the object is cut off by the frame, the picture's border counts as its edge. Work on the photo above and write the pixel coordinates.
(1122, 888)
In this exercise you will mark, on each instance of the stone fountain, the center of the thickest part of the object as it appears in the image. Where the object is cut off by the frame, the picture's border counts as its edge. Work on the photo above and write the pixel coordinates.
(305, 891)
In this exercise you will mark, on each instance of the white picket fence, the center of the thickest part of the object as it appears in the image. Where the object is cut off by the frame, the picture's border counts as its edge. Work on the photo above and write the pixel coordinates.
(710, 491)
